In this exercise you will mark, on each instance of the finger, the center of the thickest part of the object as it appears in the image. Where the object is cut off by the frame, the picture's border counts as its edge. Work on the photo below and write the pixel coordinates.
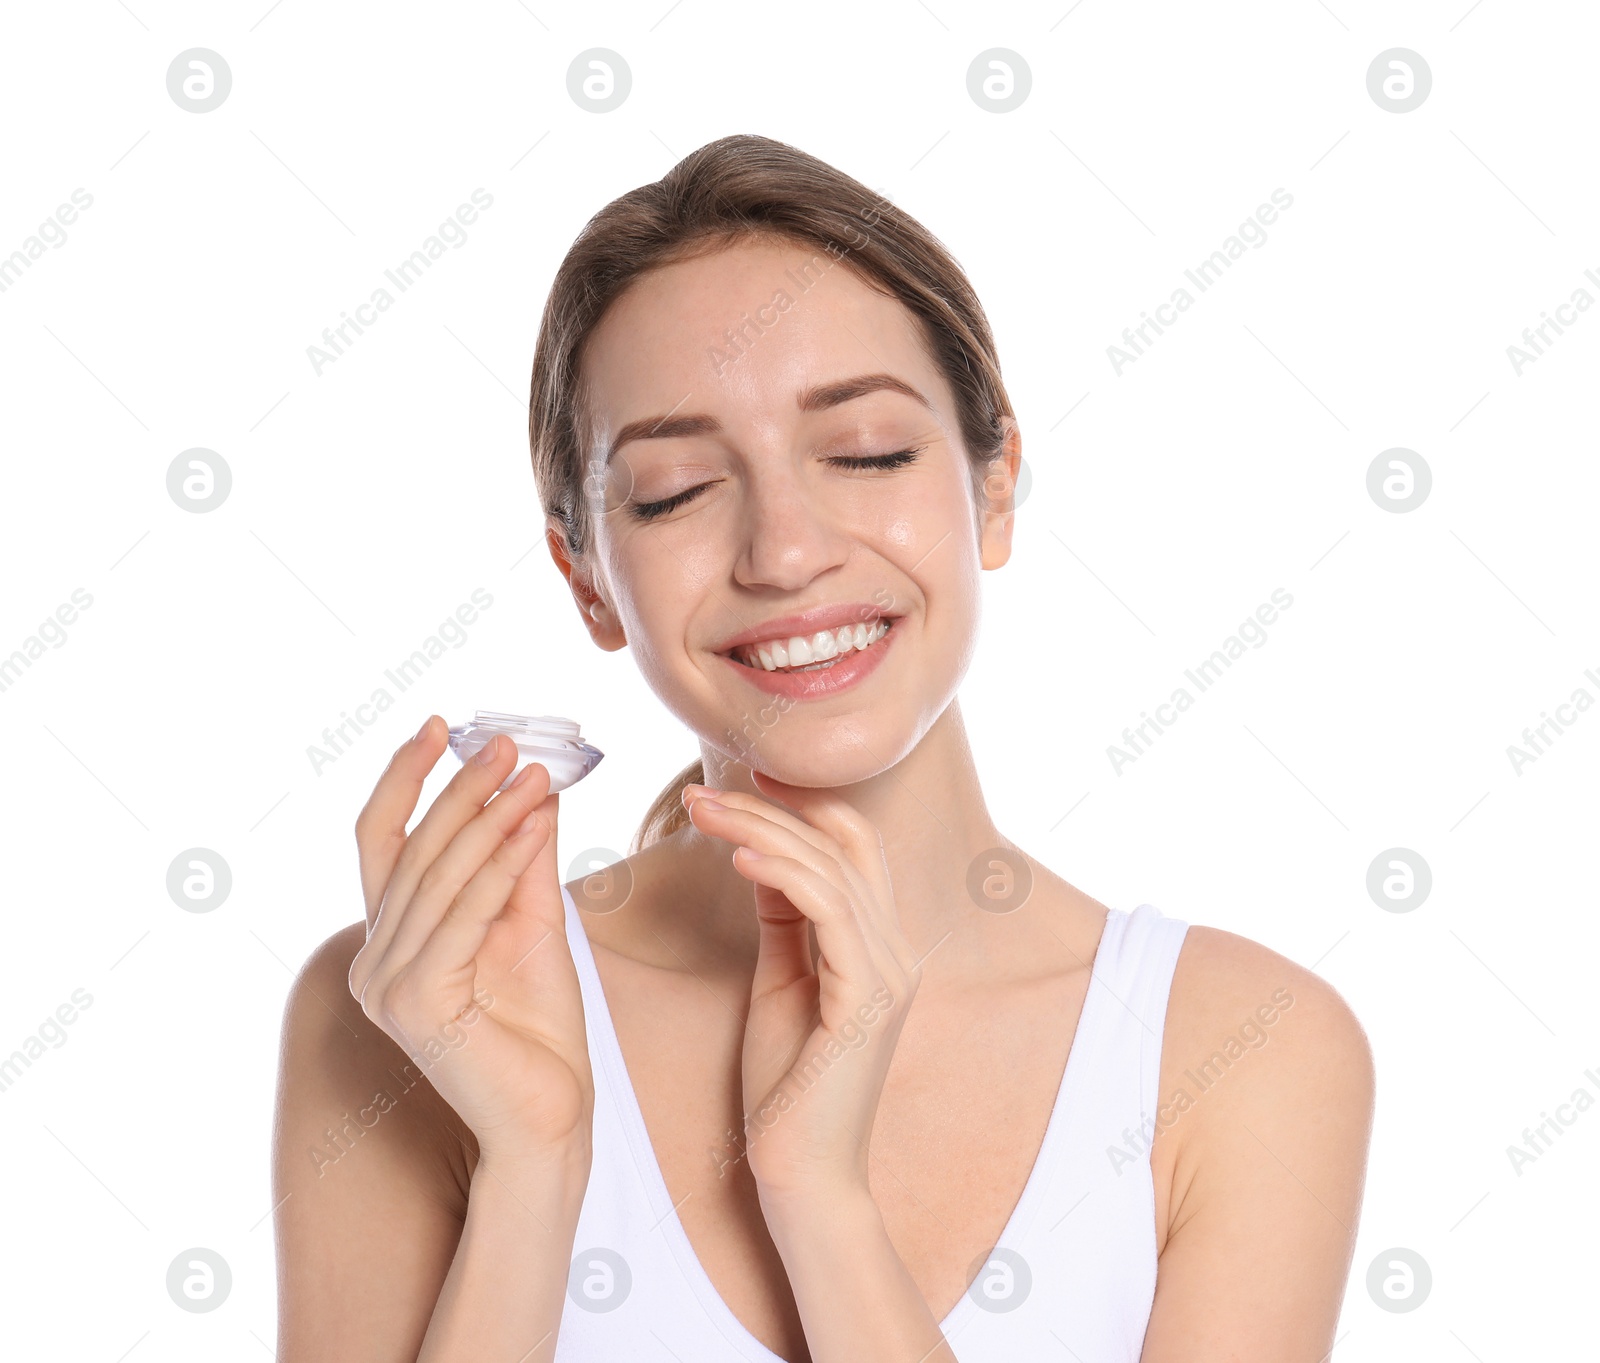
(785, 818)
(751, 825)
(420, 890)
(446, 960)
(785, 954)
(536, 905)
(381, 825)
(754, 822)
(857, 841)
(840, 820)
(436, 891)
(796, 837)
(772, 907)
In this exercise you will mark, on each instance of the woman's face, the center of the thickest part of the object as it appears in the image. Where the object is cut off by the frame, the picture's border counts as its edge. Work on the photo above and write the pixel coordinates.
(725, 393)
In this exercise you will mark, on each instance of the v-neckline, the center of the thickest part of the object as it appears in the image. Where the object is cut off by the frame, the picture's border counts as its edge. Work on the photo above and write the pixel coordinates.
(644, 1154)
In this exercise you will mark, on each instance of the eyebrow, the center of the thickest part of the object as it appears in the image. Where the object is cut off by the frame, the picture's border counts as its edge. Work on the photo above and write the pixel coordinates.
(817, 399)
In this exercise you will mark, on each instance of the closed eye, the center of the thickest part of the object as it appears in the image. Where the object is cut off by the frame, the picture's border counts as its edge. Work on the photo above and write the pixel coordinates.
(899, 459)
(647, 511)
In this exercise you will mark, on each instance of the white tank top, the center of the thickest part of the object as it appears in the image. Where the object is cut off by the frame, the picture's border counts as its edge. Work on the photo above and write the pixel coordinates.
(1074, 1266)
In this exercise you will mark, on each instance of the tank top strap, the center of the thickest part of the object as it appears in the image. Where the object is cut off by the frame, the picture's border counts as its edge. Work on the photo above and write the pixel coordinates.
(1135, 966)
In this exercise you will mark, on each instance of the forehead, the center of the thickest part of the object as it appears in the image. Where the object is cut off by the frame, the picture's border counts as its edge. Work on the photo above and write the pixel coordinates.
(743, 330)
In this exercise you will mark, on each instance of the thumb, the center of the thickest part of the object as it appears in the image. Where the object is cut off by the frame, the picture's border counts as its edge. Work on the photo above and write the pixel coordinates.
(536, 897)
(784, 953)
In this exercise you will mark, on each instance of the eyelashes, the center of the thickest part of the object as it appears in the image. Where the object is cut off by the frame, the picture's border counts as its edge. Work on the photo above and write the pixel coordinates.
(899, 459)
(649, 511)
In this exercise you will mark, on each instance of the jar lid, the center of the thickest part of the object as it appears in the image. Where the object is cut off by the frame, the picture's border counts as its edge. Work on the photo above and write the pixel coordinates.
(500, 722)
(550, 740)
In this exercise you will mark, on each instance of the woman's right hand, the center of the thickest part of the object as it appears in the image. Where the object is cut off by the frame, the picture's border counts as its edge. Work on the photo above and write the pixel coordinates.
(466, 963)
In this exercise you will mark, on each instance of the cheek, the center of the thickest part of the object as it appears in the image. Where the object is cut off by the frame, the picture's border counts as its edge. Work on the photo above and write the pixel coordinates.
(657, 587)
(902, 530)
(925, 512)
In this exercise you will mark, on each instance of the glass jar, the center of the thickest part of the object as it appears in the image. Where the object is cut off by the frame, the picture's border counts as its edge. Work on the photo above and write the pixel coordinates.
(547, 739)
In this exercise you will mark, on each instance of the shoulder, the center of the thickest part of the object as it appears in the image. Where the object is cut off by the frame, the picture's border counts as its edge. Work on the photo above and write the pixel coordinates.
(320, 1005)
(1235, 996)
(328, 964)
(1267, 1085)
(339, 1072)
(369, 1187)
(321, 1016)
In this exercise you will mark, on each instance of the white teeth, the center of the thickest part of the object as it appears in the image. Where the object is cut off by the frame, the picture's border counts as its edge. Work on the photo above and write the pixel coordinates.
(819, 648)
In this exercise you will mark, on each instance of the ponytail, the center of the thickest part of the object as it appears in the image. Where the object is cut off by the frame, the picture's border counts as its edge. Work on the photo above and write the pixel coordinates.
(666, 814)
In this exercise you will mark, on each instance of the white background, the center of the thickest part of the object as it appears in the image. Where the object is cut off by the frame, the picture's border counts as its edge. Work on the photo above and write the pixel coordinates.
(1167, 502)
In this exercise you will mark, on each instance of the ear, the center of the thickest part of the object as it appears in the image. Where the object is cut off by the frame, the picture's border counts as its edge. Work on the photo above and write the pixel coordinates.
(999, 487)
(599, 617)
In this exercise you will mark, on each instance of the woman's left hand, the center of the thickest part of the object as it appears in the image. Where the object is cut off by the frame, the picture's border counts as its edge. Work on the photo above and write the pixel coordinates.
(811, 1088)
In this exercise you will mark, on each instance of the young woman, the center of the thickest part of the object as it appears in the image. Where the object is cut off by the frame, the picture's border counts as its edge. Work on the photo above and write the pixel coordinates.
(827, 1068)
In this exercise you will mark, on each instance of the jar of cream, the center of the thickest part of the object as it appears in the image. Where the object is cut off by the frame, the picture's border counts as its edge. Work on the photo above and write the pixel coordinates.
(546, 739)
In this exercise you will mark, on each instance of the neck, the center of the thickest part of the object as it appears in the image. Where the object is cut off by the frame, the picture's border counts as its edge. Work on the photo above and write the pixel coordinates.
(936, 828)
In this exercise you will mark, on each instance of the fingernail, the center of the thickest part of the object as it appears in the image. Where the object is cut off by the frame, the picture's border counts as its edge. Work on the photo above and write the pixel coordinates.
(521, 776)
(423, 730)
(706, 802)
(486, 754)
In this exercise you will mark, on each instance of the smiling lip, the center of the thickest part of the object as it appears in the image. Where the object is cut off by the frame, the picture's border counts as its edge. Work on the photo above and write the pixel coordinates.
(806, 623)
(823, 681)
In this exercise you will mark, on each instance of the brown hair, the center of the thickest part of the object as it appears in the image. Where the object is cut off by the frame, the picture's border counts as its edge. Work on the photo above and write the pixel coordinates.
(726, 192)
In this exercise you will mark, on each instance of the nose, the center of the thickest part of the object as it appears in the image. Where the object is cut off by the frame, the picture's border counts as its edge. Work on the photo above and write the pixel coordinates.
(788, 535)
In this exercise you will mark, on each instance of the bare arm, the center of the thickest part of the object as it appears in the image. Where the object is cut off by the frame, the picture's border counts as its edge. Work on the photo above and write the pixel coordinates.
(394, 1244)
(507, 1286)
(432, 1145)
(1270, 1159)
(857, 1299)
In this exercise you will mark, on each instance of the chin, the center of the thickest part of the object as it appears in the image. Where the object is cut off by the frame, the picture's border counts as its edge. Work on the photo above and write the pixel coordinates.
(793, 759)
